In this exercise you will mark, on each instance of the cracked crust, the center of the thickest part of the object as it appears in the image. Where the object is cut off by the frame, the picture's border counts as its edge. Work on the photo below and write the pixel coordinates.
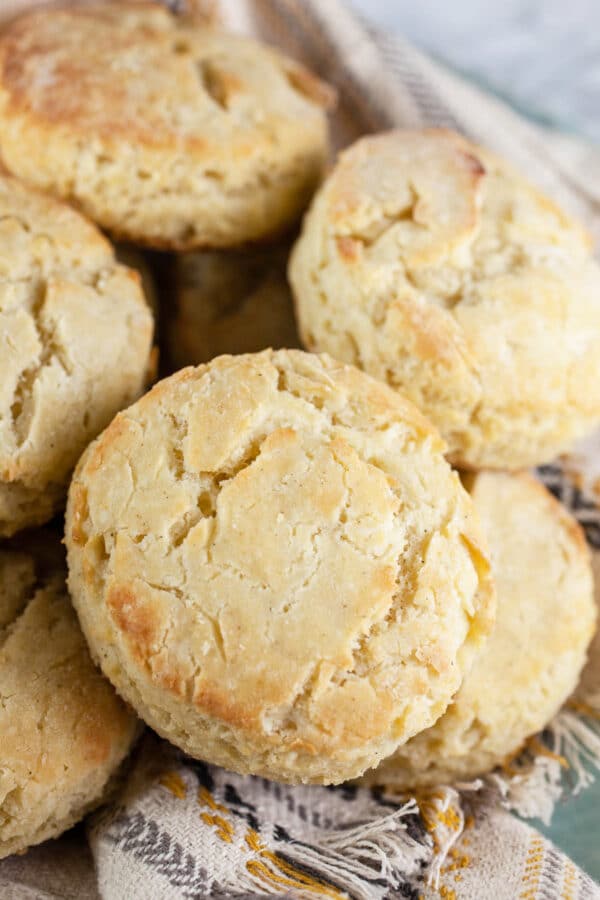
(180, 136)
(275, 565)
(64, 730)
(533, 658)
(75, 336)
(230, 302)
(430, 264)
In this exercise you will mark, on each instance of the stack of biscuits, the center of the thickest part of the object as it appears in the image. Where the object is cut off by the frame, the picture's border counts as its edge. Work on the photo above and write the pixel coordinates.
(314, 565)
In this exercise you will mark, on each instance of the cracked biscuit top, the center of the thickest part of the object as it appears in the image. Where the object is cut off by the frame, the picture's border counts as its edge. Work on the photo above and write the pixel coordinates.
(177, 136)
(275, 565)
(429, 263)
(64, 732)
(75, 336)
(536, 651)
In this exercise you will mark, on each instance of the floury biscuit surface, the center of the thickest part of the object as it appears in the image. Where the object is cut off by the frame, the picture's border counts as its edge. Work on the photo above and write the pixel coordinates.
(532, 661)
(273, 562)
(177, 136)
(75, 337)
(230, 302)
(64, 732)
(432, 265)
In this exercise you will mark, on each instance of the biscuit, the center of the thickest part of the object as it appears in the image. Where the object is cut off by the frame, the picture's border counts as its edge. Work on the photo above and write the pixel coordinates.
(531, 662)
(75, 337)
(230, 302)
(178, 136)
(274, 564)
(64, 731)
(432, 265)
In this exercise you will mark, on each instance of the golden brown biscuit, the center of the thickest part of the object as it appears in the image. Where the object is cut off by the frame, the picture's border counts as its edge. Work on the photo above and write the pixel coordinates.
(429, 263)
(273, 562)
(64, 732)
(537, 649)
(178, 135)
(230, 302)
(75, 337)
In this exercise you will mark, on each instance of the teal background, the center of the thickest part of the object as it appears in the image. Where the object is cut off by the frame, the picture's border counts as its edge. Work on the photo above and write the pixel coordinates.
(575, 828)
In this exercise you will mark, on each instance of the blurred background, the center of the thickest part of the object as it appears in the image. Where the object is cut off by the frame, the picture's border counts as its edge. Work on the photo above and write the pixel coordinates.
(543, 56)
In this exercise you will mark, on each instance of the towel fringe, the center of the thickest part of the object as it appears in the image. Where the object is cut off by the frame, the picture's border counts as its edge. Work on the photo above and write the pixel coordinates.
(367, 859)
(443, 811)
(567, 754)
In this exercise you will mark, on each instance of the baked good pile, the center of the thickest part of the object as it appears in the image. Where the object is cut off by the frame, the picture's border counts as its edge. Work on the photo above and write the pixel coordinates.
(315, 565)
